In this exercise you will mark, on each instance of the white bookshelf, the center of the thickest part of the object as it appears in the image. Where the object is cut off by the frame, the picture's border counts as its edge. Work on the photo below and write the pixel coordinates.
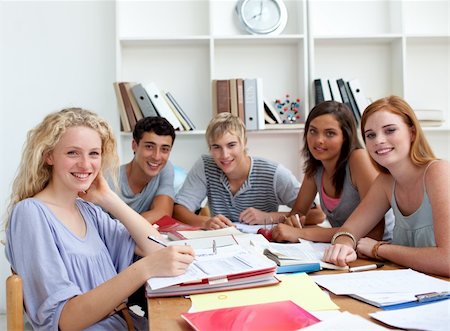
(392, 47)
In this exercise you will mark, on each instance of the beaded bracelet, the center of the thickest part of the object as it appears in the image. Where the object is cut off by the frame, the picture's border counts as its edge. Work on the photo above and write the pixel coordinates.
(375, 249)
(344, 233)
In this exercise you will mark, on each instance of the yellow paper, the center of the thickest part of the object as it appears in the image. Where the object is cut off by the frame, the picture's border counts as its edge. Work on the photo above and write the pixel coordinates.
(299, 288)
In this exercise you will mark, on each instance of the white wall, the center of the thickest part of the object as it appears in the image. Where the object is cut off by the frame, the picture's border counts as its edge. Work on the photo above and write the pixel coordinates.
(53, 54)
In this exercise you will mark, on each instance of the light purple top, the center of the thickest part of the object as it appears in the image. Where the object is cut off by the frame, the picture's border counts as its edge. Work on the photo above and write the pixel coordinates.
(56, 265)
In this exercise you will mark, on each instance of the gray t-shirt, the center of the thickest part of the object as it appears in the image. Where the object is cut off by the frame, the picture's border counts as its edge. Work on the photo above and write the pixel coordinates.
(268, 186)
(161, 184)
(56, 265)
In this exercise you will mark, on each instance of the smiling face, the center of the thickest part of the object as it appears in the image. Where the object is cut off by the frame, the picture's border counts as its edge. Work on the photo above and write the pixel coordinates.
(229, 154)
(388, 138)
(325, 138)
(76, 159)
(152, 153)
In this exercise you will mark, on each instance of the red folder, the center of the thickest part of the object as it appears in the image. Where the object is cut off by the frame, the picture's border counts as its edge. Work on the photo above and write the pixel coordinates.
(171, 226)
(280, 316)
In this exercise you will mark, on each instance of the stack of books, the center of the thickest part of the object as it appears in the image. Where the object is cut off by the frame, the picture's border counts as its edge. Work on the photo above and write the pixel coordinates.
(136, 101)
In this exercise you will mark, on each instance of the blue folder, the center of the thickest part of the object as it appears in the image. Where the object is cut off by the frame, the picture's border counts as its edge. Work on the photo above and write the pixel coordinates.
(306, 267)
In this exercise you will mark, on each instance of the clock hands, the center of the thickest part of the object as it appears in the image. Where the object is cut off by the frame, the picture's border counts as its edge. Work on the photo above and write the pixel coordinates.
(261, 6)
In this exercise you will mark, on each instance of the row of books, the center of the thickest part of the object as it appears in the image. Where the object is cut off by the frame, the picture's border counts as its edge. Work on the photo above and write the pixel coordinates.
(348, 92)
(136, 101)
(243, 97)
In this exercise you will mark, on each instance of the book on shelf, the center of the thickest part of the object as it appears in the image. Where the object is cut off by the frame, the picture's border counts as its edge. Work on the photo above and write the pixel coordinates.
(143, 100)
(335, 94)
(125, 125)
(161, 105)
(183, 123)
(240, 98)
(321, 90)
(355, 110)
(137, 111)
(251, 103)
(127, 104)
(224, 268)
(221, 94)
(343, 91)
(358, 94)
(261, 123)
(278, 315)
(180, 110)
(233, 97)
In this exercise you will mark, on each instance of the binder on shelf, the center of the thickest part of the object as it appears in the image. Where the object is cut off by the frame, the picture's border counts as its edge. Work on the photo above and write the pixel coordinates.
(354, 108)
(137, 111)
(334, 90)
(161, 105)
(260, 104)
(180, 110)
(322, 90)
(361, 100)
(251, 103)
(128, 107)
(143, 100)
(125, 125)
(343, 91)
(184, 124)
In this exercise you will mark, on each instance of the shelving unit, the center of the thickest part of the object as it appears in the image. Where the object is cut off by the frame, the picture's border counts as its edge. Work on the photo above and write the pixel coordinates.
(392, 47)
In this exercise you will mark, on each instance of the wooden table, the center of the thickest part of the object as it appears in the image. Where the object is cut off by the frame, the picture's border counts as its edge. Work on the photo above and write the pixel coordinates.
(164, 313)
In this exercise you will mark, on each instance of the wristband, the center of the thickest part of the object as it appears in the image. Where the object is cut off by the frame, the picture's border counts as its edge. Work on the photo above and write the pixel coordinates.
(343, 233)
(375, 249)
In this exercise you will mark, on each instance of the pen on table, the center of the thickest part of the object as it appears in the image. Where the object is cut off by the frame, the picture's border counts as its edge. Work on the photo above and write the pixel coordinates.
(158, 241)
(214, 247)
(366, 267)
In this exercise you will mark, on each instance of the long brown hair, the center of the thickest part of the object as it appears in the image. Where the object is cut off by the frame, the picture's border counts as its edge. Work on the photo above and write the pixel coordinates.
(348, 126)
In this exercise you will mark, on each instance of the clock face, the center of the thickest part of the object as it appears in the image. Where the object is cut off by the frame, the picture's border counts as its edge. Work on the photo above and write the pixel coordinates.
(262, 16)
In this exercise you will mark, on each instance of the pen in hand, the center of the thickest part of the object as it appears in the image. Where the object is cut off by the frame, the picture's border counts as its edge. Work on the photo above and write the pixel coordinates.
(366, 267)
(158, 241)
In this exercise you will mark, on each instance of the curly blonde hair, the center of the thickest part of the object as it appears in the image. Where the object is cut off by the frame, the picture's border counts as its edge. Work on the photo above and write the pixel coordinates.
(34, 173)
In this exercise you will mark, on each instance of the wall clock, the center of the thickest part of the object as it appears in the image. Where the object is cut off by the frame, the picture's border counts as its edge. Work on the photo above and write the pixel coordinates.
(262, 16)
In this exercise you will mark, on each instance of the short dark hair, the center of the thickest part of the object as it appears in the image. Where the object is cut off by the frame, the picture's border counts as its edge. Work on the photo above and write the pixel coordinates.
(158, 125)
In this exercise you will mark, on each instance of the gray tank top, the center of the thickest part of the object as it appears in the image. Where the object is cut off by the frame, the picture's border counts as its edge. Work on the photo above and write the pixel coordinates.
(349, 199)
(415, 230)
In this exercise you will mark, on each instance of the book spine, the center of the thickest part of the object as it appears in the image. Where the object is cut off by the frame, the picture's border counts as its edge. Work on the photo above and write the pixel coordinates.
(233, 97)
(128, 108)
(343, 91)
(361, 100)
(161, 105)
(137, 111)
(125, 125)
(240, 98)
(250, 104)
(318, 92)
(223, 96)
(260, 104)
(355, 109)
(180, 110)
(184, 124)
(143, 100)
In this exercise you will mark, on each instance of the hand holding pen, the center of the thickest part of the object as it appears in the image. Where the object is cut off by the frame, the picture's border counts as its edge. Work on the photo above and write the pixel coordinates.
(169, 261)
(294, 220)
